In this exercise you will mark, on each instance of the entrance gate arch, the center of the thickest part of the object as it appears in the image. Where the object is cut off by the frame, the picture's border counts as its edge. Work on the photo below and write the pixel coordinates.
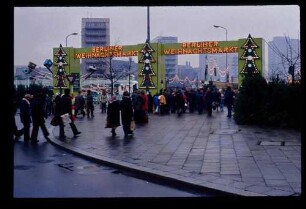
(151, 66)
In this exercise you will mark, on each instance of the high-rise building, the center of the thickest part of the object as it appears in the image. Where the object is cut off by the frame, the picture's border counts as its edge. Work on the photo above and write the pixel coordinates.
(281, 51)
(95, 32)
(171, 61)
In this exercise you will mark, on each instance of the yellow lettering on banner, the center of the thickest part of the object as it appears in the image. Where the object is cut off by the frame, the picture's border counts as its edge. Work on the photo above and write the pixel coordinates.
(214, 50)
(234, 49)
(204, 44)
(103, 52)
(220, 50)
(216, 43)
(166, 51)
(186, 44)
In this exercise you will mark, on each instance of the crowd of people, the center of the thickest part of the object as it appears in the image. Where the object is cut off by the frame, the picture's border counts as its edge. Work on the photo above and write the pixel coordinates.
(131, 108)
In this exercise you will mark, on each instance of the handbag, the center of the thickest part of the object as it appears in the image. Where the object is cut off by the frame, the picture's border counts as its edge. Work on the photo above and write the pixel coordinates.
(55, 121)
(66, 118)
(132, 125)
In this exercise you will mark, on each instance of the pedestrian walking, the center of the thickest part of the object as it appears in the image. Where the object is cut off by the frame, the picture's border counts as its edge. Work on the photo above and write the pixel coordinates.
(229, 100)
(208, 98)
(89, 104)
(39, 115)
(126, 113)
(25, 116)
(113, 115)
(17, 133)
(65, 107)
(104, 100)
(79, 104)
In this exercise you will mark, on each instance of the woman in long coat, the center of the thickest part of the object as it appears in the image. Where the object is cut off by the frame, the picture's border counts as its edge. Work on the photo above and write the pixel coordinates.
(113, 115)
(126, 113)
(38, 117)
(25, 116)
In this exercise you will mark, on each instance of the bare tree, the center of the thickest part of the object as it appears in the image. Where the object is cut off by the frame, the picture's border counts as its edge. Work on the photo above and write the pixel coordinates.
(118, 72)
(290, 61)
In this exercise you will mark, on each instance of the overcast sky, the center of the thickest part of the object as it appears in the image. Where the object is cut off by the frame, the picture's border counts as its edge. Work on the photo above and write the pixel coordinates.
(39, 29)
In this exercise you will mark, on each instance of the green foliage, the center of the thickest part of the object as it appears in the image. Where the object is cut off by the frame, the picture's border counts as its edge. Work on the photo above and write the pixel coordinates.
(274, 104)
(250, 100)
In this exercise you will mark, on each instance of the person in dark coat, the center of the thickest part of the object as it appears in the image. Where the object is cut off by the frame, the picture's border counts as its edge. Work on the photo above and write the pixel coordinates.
(126, 113)
(138, 110)
(25, 116)
(17, 133)
(79, 104)
(57, 109)
(229, 100)
(66, 107)
(89, 104)
(200, 101)
(150, 100)
(39, 115)
(113, 115)
(179, 102)
(208, 101)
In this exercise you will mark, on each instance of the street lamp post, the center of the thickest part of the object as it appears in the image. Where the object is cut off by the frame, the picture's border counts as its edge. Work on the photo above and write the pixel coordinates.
(71, 34)
(130, 62)
(218, 26)
(111, 74)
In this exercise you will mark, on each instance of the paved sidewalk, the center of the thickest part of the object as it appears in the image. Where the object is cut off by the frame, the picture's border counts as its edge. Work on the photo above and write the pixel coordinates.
(198, 151)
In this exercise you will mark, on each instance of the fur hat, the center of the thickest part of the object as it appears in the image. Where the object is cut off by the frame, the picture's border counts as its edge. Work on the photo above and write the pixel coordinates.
(28, 96)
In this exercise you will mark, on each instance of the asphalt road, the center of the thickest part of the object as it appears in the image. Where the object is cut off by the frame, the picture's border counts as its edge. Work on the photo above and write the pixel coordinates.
(45, 171)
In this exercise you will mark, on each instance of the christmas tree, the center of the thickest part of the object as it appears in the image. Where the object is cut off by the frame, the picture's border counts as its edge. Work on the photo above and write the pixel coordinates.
(147, 69)
(60, 74)
(249, 55)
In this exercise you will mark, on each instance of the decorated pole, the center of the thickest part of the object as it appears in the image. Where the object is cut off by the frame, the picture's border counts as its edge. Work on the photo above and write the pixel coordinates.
(147, 69)
(60, 74)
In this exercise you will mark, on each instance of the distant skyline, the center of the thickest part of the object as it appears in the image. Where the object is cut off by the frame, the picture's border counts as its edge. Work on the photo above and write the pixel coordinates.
(37, 30)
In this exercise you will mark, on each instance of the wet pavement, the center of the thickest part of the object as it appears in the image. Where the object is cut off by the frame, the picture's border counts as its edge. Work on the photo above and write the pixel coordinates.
(45, 171)
(212, 153)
